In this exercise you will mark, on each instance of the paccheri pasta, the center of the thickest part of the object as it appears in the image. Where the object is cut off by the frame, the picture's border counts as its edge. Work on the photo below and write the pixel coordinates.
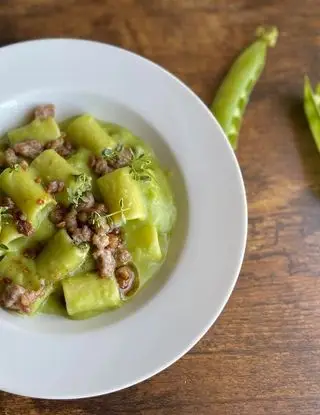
(86, 214)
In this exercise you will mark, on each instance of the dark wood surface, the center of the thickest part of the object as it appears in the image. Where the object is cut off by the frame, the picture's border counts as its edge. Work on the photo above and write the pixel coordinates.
(263, 354)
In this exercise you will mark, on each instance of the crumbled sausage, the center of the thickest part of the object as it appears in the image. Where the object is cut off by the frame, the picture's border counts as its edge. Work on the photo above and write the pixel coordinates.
(55, 186)
(37, 179)
(24, 227)
(33, 251)
(28, 298)
(66, 149)
(123, 257)
(71, 220)
(125, 277)
(106, 263)
(11, 295)
(20, 219)
(45, 111)
(55, 144)
(10, 157)
(83, 217)
(61, 224)
(97, 218)
(61, 146)
(123, 159)
(100, 240)
(100, 208)
(87, 202)
(99, 225)
(57, 214)
(114, 241)
(7, 202)
(116, 230)
(80, 235)
(28, 148)
(99, 165)
(30, 253)
(17, 298)
(18, 215)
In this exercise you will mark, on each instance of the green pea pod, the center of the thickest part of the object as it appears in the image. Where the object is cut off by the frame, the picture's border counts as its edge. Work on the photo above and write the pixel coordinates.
(312, 109)
(233, 95)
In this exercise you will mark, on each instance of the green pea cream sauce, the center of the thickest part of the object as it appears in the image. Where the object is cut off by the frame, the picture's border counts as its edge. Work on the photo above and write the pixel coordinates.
(161, 212)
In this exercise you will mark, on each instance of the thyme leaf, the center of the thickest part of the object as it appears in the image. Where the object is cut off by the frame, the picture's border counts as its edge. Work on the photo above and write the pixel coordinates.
(112, 154)
(100, 220)
(140, 167)
(82, 184)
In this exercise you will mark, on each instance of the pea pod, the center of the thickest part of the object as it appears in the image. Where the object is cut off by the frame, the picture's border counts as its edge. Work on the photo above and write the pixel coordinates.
(233, 95)
(312, 109)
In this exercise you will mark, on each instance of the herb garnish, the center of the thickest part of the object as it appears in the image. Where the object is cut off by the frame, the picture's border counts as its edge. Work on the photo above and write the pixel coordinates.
(112, 154)
(140, 167)
(100, 220)
(97, 219)
(78, 189)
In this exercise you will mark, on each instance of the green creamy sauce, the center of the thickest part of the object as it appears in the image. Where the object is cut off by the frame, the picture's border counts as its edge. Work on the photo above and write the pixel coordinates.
(148, 250)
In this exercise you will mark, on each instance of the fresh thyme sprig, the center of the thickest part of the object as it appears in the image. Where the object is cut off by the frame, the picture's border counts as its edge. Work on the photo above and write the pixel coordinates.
(140, 167)
(78, 189)
(99, 219)
(112, 154)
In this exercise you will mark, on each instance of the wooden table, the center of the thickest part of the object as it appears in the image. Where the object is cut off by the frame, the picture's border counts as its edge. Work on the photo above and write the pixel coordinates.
(263, 354)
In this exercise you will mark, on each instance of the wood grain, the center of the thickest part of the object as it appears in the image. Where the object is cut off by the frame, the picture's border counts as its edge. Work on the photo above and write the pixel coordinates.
(263, 354)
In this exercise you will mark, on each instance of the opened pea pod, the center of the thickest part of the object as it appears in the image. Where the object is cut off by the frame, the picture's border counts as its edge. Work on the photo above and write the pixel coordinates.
(233, 94)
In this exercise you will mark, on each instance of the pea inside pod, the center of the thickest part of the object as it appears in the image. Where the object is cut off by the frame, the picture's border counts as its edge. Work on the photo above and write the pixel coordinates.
(312, 109)
(234, 92)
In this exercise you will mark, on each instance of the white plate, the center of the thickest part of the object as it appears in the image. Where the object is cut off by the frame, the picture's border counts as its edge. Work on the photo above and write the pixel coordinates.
(52, 357)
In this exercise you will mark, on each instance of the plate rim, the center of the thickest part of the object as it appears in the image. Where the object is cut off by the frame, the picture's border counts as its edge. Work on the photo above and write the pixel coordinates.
(240, 259)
